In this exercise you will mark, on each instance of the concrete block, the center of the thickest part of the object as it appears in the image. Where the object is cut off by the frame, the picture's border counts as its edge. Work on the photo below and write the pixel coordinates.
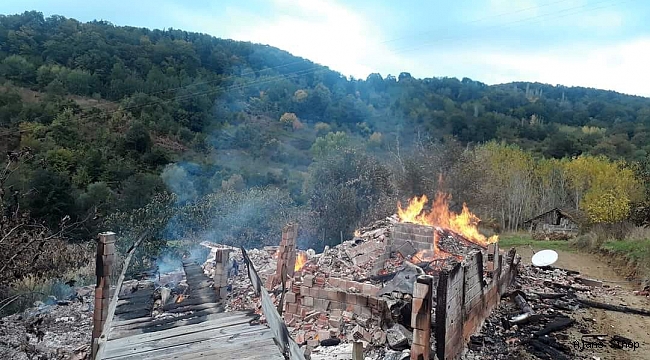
(308, 301)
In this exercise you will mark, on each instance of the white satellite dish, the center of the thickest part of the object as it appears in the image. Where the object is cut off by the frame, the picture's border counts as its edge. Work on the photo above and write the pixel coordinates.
(544, 258)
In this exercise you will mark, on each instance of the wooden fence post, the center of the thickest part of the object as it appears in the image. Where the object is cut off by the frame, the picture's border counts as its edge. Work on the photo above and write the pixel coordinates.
(103, 267)
(421, 317)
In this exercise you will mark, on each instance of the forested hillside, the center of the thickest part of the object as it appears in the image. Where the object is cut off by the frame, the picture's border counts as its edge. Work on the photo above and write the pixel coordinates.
(217, 138)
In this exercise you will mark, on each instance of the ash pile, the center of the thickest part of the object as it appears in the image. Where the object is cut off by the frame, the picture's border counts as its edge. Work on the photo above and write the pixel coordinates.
(545, 315)
(358, 291)
(53, 329)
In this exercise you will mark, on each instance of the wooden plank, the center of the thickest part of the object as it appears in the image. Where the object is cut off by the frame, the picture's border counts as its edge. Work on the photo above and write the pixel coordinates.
(135, 299)
(118, 333)
(205, 283)
(134, 314)
(246, 343)
(184, 339)
(262, 352)
(210, 314)
(190, 301)
(132, 321)
(236, 319)
(202, 285)
(133, 307)
(204, 292)
(207, 305)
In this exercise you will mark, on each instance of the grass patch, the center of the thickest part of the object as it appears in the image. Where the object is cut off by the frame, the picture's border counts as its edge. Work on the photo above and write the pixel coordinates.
(524, 239)
(635, 250)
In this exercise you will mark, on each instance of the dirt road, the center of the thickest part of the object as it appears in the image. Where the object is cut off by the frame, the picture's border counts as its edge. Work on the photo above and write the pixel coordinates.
(611, 323)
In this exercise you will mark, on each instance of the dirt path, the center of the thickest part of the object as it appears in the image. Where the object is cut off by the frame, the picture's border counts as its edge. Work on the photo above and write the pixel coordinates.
(635, 327)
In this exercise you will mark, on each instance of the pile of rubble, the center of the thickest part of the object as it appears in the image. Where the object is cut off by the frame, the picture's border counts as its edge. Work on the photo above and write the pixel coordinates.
(51, 330)
(544, 315)
(352, 292)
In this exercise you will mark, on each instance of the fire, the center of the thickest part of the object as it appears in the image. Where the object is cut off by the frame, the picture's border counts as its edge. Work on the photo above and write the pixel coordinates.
(301, 260)
(357, 233)
(180, 298)
(465, 223)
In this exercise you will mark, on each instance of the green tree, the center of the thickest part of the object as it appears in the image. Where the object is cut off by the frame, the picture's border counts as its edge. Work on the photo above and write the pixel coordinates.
(138, 138)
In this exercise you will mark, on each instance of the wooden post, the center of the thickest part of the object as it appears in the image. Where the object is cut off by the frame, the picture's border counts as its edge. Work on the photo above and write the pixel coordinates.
(103, 267)
(220, 276)
(421, 317)
(357, 350)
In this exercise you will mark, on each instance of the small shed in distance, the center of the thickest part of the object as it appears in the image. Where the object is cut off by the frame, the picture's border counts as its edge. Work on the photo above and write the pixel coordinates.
(555, 224)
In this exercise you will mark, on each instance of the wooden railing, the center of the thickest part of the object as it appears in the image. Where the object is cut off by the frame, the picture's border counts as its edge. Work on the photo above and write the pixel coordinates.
(280, 332)
(105, 302)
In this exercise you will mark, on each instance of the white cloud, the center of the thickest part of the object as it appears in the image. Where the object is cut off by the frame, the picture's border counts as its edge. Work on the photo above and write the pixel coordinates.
(332, 34)
(322, 31)
(621, 67)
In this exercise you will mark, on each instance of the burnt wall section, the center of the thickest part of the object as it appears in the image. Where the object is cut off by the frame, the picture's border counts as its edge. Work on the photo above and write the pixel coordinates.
(406, 236)
(467, 294)
(329, 294)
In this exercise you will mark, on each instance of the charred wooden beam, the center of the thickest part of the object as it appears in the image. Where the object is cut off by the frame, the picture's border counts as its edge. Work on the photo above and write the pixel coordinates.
(557, 325)
(623, 309)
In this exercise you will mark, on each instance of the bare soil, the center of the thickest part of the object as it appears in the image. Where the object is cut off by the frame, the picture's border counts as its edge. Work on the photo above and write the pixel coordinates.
(611, 323)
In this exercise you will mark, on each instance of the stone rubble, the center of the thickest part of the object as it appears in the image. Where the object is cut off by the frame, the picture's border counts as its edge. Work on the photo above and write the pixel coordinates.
(57, 330)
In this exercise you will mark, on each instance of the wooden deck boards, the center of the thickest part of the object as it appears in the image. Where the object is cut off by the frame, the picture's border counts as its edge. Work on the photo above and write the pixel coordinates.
(207, 333)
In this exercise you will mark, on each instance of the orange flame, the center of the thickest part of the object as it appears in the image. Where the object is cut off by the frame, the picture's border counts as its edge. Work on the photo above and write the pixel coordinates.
(180, 298)
(465, 223)
(301, 260)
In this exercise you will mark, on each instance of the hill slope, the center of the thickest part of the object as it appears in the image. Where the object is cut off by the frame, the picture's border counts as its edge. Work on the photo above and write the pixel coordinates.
(235, 114)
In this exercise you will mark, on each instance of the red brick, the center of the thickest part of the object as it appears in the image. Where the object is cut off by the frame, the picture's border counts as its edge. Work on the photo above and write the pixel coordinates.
(290, 297)
(331, 294)
(351, 298)
(323, 334)
(335, 322)
(341, 296)
(292, 308)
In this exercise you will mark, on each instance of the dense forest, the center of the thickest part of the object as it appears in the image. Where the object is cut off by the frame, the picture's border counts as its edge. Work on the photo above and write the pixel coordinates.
(191, 136)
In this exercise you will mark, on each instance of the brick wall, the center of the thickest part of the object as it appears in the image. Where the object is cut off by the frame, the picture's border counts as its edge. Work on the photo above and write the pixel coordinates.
(328, 294)
(466, 295)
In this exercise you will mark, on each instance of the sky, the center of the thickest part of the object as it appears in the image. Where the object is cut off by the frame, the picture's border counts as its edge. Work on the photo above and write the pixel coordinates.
(594, 43)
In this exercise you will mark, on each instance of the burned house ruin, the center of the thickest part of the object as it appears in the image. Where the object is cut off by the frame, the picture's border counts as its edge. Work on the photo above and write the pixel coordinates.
(414, 276)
